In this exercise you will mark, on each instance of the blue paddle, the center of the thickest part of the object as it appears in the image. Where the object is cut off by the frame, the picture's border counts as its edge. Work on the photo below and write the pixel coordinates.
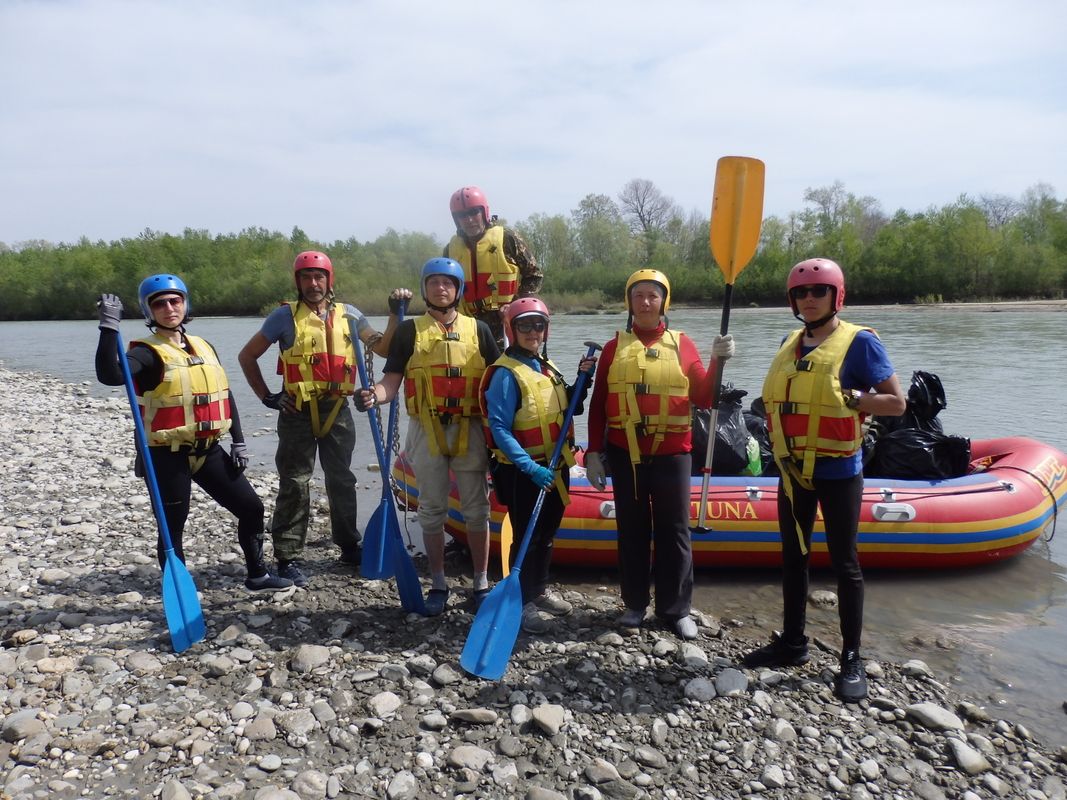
(384, 554)
(181, 605)
(496, 626)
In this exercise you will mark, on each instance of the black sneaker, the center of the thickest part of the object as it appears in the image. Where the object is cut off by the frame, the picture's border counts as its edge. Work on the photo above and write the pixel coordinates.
(267, 583)
(852, 682)
(290, 570)
(351, 555)
(477, 598)
(778, 653)
(436, 601)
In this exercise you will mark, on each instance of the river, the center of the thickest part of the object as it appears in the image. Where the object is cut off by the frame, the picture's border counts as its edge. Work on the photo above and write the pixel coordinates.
(999, 633)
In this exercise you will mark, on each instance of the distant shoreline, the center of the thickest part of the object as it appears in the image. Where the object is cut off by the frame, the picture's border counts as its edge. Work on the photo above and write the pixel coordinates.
(991, 306)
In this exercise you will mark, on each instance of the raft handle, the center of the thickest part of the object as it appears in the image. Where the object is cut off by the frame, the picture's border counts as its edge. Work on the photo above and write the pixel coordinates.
(887, 495)
(607, 509)
(893, 512)
(755, 494)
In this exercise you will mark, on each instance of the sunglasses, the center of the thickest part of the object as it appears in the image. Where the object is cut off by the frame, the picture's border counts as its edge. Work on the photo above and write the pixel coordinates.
(531, 325)
(800, 292)
(470, 212)
(164, 302)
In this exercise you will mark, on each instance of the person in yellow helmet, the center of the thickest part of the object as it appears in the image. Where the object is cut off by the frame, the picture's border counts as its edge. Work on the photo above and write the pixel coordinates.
(498, 266)
(318, 368)
(826, 378)
(639, 422)
(187, 407)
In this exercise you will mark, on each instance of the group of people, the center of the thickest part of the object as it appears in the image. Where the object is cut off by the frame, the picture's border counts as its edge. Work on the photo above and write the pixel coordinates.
(483, 398)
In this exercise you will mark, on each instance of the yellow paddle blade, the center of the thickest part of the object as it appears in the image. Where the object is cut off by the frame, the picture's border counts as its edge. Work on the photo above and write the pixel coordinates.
(505, 545)
(736, 213)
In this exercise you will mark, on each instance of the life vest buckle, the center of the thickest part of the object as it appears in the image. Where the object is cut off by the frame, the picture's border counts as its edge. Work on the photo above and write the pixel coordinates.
(201, 400)
(453, 372)
(652, 352)
(787, 408)
(452, 402)
(206, 425)
(641, 388)
(195, 361)
(451, 336)
(804, 366)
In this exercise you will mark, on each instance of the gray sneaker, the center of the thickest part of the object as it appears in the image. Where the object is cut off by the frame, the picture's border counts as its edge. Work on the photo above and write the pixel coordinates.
(553, 604)
(290, 571)
(534, 620)
(685, 627)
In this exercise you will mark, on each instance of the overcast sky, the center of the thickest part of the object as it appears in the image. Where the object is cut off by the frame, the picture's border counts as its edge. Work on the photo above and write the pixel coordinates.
(348, 118)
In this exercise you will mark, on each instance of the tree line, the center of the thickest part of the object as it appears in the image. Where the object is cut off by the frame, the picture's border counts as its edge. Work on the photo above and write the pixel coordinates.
(986, 248)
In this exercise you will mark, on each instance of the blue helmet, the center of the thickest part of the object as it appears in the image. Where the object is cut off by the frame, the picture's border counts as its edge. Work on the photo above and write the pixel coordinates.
(443, 266)
(159, 284)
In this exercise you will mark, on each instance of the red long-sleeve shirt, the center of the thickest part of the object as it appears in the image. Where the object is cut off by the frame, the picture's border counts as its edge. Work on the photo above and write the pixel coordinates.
(701, 390)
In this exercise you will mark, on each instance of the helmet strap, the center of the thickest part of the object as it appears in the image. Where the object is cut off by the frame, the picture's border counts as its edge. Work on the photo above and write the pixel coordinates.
(811, 327)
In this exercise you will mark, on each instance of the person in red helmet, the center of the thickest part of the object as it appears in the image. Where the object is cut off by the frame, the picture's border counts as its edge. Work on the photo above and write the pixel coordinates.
(827, 377)
(524, 400)
(497, 264)
(318, 369)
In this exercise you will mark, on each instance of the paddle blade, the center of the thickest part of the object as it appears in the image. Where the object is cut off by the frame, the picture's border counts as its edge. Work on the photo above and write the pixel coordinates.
(506, 536)
(407, 578)
(181, 604)
(376, 563)
(736, 213)
(494, 631)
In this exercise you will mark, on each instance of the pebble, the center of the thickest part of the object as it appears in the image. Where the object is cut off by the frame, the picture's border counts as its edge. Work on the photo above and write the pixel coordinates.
(333, 691)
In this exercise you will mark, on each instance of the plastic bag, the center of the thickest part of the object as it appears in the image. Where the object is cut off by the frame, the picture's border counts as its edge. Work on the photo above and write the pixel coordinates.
(756, 422)
(731, 456)
(926, 399)
(916, 453)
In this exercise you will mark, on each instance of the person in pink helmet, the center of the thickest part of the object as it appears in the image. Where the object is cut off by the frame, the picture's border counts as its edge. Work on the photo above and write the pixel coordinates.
(498, 267)
(827, 377)
(524, 400)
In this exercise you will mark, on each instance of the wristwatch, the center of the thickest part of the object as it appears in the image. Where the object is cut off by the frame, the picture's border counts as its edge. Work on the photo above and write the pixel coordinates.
(852, 398)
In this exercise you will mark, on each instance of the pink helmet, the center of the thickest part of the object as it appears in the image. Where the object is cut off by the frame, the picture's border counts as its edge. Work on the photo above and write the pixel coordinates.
(313, 259)
(813, 272)
(524, 307)
(467, 198)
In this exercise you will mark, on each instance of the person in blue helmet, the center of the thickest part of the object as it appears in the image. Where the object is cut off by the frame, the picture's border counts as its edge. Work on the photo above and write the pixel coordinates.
(440, 358)
(187, 407)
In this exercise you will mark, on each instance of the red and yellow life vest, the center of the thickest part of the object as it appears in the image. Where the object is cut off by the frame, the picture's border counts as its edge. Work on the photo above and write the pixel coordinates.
(539, 417)
(648, 393)
(442, 378)
(191, 404)
(495, 281)
(321, 363)
(806, 413)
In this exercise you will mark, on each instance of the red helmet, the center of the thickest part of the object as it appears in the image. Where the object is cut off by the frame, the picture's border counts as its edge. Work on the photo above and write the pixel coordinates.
(813, 272)
(313, 259)
(524, 307)
(467, 198)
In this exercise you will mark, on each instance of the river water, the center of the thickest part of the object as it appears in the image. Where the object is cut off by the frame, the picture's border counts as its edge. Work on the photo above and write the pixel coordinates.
(998, 632)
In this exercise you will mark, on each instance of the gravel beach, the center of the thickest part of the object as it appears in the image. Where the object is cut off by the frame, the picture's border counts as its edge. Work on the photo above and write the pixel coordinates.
(331, 691)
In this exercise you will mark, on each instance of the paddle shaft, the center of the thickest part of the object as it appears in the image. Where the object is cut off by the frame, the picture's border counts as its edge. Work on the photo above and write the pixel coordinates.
(579, 385)
(372, 412)
(142, 446)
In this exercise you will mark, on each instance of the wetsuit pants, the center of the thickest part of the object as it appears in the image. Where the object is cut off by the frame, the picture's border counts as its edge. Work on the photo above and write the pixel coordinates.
(223, 483)
(519, 494)
(840, 502)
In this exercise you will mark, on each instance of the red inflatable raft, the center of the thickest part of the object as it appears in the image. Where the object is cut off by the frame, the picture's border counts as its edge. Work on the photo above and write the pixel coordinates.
(1010, 497)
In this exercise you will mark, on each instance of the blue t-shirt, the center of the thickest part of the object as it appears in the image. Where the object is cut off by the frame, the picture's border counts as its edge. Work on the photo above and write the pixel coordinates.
(866, 365)
(279, 327)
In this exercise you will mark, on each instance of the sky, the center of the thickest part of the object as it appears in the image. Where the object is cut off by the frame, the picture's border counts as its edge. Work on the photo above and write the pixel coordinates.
(350, 118)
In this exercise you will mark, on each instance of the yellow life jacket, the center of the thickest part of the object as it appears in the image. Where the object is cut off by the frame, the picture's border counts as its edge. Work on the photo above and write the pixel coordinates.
(538, 420)
(648, 393)
(321, 363)
(191, 404)
(806, 413)
(489, 280)
(442, 378)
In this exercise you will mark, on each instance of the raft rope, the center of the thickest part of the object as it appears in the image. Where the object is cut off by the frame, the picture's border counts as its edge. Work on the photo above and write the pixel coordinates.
(1051, 494)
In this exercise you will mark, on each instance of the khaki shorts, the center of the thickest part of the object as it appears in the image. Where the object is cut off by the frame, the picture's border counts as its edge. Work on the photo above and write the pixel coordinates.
(432, 473)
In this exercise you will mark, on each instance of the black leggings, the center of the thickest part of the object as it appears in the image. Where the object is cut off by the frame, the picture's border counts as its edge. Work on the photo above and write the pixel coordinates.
(840, 501)
(519, 494)
(223, 483)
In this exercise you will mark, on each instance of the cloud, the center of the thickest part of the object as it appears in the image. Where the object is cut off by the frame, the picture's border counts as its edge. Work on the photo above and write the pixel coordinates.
(348, 118)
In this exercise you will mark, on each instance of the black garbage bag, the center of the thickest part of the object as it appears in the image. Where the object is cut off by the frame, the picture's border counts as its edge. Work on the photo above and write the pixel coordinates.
(731, 456)
(913, 453)
(926, 399)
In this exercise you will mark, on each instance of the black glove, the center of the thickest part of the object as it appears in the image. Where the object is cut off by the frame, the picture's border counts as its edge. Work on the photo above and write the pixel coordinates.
(109, 307)
(360, 398)
(394, 305)
(274, 400)
(239, 455)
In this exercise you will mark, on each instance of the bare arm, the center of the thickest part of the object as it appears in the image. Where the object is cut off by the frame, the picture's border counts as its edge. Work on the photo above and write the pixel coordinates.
(248, 358)
(886, 399)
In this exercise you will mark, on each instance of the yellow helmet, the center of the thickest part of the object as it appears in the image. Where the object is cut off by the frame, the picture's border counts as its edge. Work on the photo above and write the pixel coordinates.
(655, 276)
